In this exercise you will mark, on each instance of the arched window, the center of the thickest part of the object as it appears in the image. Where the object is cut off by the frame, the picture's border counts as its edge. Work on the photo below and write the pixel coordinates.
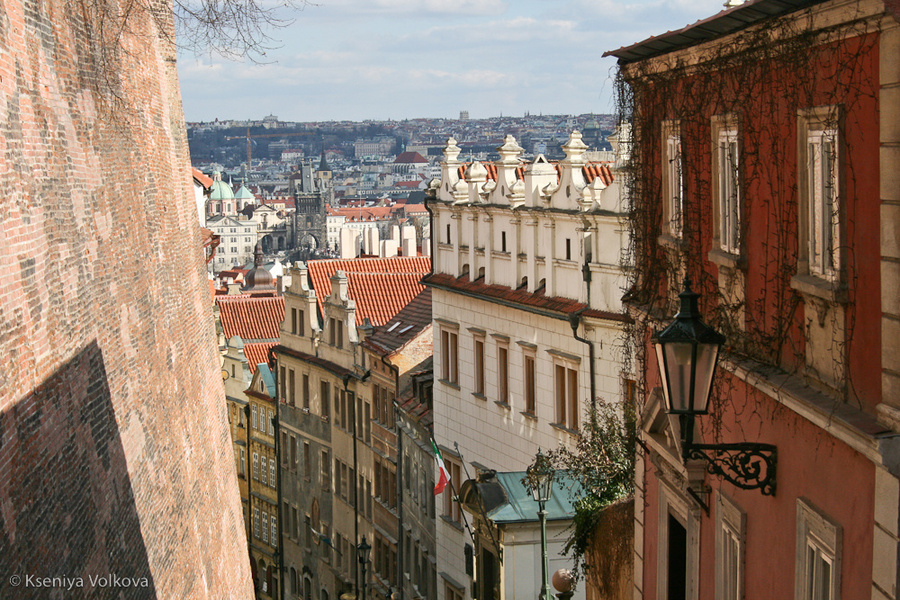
(295, 585)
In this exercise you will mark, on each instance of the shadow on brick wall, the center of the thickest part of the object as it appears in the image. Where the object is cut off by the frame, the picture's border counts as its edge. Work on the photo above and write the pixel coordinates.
(68, 523)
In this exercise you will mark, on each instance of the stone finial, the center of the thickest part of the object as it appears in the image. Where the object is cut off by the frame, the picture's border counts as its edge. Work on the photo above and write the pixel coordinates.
(460, 191)
(476, 172)
(510, 151)
(451, 151)
(574, 149)
(516, 193)
(340, 287)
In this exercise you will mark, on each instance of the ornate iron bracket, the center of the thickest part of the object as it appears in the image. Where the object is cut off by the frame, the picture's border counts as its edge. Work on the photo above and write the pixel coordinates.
(747, 465)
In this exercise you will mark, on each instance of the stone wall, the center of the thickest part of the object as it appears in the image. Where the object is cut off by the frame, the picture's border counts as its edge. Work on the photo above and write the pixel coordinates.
(115, 464)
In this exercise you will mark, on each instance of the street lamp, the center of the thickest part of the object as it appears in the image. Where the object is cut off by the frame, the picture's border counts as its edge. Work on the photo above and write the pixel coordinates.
(687, 352)
(362, 552)
(539, 480)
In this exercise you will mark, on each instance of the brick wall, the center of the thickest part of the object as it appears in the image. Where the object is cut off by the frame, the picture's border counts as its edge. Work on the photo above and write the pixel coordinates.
(115, 458)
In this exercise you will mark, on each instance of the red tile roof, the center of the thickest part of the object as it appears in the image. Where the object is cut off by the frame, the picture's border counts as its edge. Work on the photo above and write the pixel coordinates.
(403, 326)
(258, 353)
(519, 298)
(253, 319)
(380, 296)
(590, 171)
(380, 286)
(409, 158)
(202, 179)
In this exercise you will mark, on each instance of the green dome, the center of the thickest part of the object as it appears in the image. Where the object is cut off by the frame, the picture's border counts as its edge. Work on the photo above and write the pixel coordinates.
(220, 190)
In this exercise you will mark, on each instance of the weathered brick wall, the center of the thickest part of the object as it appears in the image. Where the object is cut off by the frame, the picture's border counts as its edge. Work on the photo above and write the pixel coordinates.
(115, 458)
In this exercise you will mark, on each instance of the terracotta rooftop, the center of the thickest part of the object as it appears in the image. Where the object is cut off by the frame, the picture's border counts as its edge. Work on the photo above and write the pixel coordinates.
(519, 298)
(591, 171)
(258, 353)
(404, 326)
(410, 157)
(253, 319)
(380, 286)
(202, 179)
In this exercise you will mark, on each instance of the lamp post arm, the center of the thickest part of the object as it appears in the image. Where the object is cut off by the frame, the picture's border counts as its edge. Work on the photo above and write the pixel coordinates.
(746, 465)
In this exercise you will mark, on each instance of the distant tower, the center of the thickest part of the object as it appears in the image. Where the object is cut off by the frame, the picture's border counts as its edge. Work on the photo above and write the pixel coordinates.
(463, 115)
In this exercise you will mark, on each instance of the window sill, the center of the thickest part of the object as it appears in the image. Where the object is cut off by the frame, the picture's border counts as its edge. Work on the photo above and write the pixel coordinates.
(479, 396)
(810, 285)
(726, 259)
(528, 415)
(449, 384)
(671, 241)
(501, 404)
(564, 428)
(455, 524)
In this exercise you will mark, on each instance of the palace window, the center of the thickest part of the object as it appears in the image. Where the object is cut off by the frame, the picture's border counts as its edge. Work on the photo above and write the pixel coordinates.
(730, 532)
(479, 365)
(819, 182)
(449, 356)
(565, 385)
(726, 184)
(503, 373)
(530, 384)
(818, 558)
(673, 184)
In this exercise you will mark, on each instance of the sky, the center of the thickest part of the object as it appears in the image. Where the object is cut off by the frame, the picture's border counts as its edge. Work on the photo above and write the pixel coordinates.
(402, 59)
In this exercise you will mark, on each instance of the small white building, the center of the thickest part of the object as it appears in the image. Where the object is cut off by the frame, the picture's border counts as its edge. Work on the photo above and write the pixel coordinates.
(528, 327)
(237, 241)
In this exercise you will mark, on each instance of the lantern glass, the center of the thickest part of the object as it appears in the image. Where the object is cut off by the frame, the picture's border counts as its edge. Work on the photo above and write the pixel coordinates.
(540, 478)
(687, 370)
(363, 550)
(707, 356)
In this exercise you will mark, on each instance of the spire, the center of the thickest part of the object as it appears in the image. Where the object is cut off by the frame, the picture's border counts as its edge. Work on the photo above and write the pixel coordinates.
(323, 164)
(258, 255)
(259, 280)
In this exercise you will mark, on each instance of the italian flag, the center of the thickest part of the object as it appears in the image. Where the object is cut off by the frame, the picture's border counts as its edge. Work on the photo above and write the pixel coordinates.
(444, 477)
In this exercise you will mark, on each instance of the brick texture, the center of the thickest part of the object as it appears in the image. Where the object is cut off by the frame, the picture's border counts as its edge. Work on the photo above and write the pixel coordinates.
(115, 459)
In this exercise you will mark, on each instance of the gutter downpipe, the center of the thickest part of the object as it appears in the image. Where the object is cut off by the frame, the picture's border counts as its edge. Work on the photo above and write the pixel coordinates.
(574, 322)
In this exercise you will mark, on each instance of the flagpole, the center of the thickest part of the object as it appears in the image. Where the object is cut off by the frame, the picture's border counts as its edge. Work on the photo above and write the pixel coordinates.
(490, 529)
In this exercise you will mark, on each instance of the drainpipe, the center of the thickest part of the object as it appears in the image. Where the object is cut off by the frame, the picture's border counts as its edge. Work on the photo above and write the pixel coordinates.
(574, 322)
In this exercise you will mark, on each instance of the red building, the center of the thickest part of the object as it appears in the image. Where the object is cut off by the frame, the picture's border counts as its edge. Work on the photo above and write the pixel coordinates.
(766, 146)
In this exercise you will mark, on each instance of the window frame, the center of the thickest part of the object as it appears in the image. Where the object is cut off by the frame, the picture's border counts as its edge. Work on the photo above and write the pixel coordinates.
(726, 192)
(566, 405)
(529, 381)
(818, 123)
(450, 354)
(478, 355)
(815, 528)
(672, 179)
(731, 525)
(503, 394)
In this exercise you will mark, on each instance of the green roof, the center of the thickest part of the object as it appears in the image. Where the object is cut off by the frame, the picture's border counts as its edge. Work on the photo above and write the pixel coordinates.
(221, 191)
(244, 194)
(266, 375)
(520, 506)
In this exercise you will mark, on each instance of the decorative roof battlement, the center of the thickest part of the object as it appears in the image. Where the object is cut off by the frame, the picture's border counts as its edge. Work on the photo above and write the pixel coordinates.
(570, 184)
